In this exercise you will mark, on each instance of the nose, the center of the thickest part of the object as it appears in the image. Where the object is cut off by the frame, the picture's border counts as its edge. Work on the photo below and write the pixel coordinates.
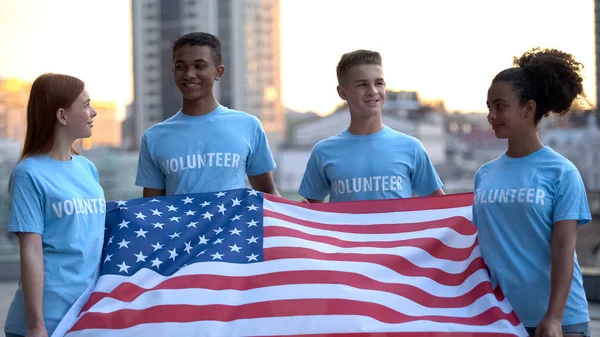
(189, 73)
(94, 113)
(372, 90)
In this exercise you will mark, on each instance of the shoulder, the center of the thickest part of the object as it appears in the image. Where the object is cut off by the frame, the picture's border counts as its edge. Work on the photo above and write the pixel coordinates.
(558, 161)
(159, 127)
(332, 142)
(403, 139)
(83, 161)
(29, 166)
(240, 116)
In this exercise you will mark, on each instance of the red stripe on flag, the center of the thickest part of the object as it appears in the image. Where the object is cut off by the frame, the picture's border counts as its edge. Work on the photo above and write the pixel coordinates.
(396, 263)
(459, 224)
(433, 246)
(384, 206)
(128, 292)
(127, 318)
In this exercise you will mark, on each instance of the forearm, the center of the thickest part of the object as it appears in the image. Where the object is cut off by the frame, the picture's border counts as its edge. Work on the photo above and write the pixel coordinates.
(563, 248)
(32, 277)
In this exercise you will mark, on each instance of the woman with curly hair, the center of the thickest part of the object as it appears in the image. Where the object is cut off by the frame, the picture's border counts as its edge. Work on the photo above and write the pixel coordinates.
(530, 201)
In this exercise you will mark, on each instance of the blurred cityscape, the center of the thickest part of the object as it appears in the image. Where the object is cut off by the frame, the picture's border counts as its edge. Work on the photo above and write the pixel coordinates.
(458, 143)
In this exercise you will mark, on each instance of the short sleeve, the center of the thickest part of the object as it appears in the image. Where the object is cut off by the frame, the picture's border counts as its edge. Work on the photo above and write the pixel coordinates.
(473, 208)
(26, 206)
(260, 160)
(570, 199)
(148, 174)
(425, 179)
(315, 184)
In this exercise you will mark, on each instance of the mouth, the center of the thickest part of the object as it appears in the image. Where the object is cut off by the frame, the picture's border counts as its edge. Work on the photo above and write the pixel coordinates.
(91, 124)
(497, 126)
(190, 85)
(372, 102)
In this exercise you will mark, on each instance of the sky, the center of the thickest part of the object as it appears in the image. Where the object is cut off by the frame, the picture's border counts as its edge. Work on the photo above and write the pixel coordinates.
(443, 49)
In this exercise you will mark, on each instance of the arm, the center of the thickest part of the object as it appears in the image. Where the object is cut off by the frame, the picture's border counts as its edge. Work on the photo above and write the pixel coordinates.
(32, 278)
(264, 183)
(438, 192)
(564, 238)
(153, 192)
(149, 175)
(424, 177)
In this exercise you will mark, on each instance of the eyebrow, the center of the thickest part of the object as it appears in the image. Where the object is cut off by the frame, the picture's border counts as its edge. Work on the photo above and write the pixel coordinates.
(364, 80)
(86, 101)
(195, 61)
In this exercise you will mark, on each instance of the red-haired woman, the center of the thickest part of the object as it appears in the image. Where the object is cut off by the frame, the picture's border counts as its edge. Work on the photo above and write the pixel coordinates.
(57, 207)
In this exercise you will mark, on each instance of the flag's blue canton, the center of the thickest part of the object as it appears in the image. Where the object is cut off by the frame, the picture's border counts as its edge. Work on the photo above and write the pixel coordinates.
(166, 233)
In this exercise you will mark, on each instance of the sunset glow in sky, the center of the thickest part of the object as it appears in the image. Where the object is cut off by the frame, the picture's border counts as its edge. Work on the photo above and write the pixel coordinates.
(446, 50)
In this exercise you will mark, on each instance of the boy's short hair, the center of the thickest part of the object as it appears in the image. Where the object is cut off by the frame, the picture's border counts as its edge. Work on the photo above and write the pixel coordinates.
(356, 58)
(201, 39)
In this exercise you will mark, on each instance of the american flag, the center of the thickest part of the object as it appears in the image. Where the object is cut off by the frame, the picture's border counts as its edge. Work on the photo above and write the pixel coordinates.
(240, 263)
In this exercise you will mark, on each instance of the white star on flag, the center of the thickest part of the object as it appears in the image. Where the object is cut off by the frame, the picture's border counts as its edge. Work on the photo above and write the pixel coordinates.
(141, 232)
(252, 257)
(190, 212)
(207, 216)
(203, 240)
(172, 208)
(175, 218)
(252, 240)
(107, 258)
(188, 247)
(156, 212)
(204, 204)
(156, 263)
(173, 254)
(124, 244)
(157, 246)
(235, 231)
(222, 209)
(140, 216)
(123, 267)
(121, 203)
(217, 256)
(220, 194)
(253, 192)
(123, 224)
(252, 208)
(174, 235)
(235, 248)
(187, 200)
(192, 224)
(158, 225)
(140, 257)
(236, 202)
(252, 223)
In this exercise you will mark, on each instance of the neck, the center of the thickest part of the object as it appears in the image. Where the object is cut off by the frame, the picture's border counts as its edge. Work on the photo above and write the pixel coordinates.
(365, 126)
(524, 145)
(61, 147)
(199, 107)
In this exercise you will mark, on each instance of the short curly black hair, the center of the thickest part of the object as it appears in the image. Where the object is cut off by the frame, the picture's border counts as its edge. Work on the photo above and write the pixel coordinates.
(201, 39)
(549, 77)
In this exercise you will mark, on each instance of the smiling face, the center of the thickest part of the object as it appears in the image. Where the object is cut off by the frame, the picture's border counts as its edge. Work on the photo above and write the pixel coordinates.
(195, 70)
(507, 115)
(363, 87)
(78, 118)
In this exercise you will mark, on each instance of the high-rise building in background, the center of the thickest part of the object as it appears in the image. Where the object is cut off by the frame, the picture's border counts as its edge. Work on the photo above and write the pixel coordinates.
(249, 32)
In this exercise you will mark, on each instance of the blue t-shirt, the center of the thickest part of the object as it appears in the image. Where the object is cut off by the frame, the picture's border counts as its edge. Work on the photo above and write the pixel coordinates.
(517, 202)
(384, 165)
(64, 202)
(198, 154)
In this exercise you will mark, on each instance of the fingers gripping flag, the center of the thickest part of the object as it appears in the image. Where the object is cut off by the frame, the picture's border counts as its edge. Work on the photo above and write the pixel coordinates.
(240, 263)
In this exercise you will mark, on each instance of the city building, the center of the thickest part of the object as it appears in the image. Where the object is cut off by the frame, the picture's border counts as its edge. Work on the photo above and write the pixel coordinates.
(249, 31)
